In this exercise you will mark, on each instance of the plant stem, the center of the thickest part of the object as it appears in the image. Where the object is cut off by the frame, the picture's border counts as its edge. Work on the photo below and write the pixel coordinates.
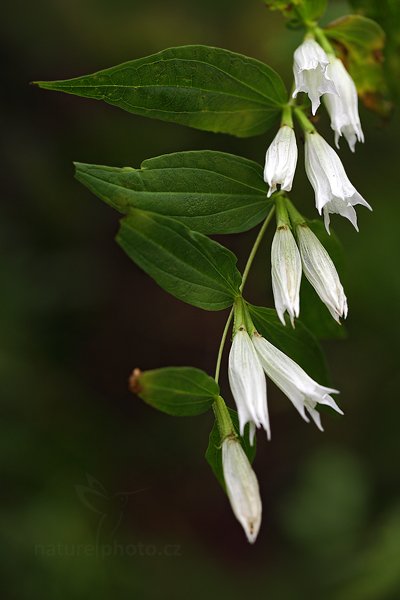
(222, 416)
(223, 419)
(304, 121)
(323, 41)
(287, 118)
(255, 247)
(222, 344)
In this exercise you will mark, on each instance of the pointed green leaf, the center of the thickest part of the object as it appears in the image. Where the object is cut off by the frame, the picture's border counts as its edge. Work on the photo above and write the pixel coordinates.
(210, 192)
(178, 391)
(185, 263)
(214, 453)
(299, 343)
(199, 86)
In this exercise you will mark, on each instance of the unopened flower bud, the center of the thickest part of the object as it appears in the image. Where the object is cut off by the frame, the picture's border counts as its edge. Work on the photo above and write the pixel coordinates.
(242, 487)
(247, 382)
(343, 107)
(321, 272)
(281, 160)
(286, 273)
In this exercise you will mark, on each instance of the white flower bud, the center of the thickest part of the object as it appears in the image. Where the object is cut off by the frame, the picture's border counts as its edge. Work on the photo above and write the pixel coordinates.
(302, 391)
(242, 487)
(333, 191)
(310, 72)
(248, 385)
(343, 108)
(286, 274)
(281, 160)
(321, 272)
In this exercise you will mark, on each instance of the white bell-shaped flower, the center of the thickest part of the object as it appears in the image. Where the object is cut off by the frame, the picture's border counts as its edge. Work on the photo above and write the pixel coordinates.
(343, 107)
(310, 72)
(321, 272)
(242, 487)
(281, 160)
(248, 385)
(302, 391)
(334, 192)
(286, 273)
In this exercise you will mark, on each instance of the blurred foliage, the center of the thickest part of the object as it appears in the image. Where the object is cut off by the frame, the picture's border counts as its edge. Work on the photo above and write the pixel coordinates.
(76, 316)
(360, 43)
(387, 14)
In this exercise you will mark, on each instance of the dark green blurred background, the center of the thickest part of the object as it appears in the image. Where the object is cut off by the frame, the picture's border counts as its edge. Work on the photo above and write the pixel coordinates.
(77, 316)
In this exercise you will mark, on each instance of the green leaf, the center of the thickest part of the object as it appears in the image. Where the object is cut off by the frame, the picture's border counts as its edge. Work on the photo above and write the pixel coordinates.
(199, 86)
(185, 263)
(299, 343)
(312, 10)
(214, 453)
(314, 314)
(210, 192)
(360, 42)
(178, 391)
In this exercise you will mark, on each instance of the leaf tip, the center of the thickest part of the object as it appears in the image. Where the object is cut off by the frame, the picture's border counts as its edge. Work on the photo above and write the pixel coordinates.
(45, 85)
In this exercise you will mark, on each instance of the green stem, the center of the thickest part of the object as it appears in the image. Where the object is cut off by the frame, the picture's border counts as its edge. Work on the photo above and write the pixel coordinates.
(323, 40)
(222, 344)
(282, 217)
(295, 217)
(304, 121)
(287, 117)
(255, 247)
(222, 416)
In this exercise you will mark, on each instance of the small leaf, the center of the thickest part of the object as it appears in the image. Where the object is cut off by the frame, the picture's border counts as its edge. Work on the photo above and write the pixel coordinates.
(360, 42)
(299, 343)
(210, 192)
(312, 10)
(214, 453)
(199, 86)
(177, 391)
(185, 263)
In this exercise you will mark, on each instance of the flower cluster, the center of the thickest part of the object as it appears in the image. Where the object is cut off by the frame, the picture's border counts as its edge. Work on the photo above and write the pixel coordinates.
(290, 259)
(318, 75)
(295, 251)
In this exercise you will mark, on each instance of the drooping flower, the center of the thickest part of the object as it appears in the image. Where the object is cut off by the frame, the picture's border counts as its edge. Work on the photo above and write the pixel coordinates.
(343, 107)
(334, 192)
(304, 393)
(281, 160)
(248, 385)
(242, 487)
(286, 273)
(321, 272)
(310, 72)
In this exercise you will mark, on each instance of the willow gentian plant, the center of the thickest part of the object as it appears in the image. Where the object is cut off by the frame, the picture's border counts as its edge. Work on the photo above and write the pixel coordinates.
(172, 204)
